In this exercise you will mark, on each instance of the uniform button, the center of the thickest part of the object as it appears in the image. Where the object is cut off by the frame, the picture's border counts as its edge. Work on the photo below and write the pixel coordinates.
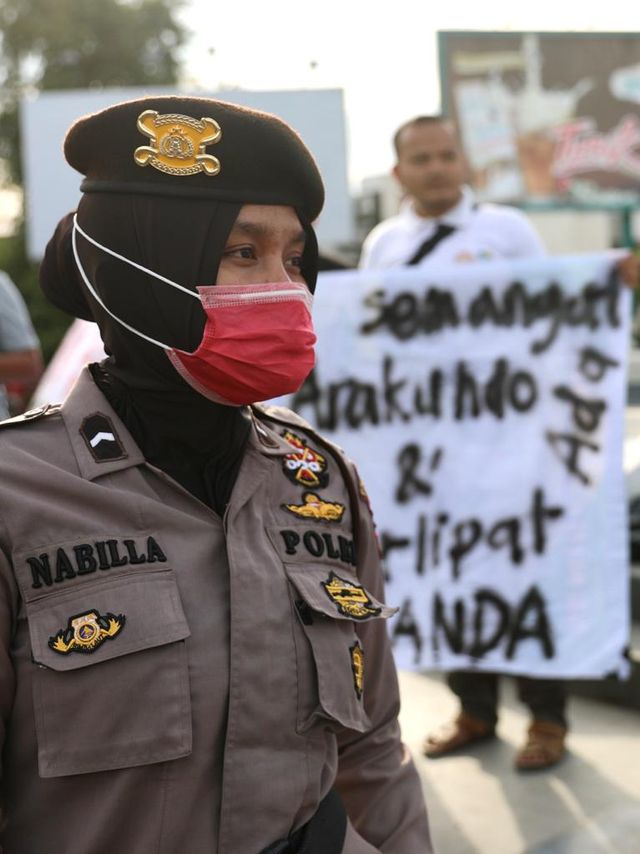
(265, 437)
(34, 413)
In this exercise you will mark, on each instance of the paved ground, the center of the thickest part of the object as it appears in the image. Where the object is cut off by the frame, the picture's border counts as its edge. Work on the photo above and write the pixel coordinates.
(590, 804)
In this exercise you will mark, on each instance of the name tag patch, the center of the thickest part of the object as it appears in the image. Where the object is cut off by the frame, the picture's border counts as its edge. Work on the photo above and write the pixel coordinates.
(318, 545)
(86, 632)
(63, 564)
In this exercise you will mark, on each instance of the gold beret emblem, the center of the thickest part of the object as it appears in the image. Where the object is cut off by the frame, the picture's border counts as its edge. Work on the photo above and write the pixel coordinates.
(177, 143)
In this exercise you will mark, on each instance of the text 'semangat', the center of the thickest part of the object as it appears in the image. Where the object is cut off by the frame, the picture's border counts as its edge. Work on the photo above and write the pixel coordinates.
(407, 314)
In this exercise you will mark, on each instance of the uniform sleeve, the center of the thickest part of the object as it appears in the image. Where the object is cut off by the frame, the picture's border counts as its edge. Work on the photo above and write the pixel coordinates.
(376, 776)
(8, 599)
(16, 330)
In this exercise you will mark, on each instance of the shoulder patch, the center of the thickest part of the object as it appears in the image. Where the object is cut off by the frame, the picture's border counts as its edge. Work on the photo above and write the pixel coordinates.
(31, 415)
(101, 438)
(304, 465)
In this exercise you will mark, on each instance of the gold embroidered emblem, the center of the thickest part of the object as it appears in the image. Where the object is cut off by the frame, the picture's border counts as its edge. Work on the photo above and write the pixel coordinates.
(357, 666)
(86, 632)
(352, 600)
(177, 143)
(315, 508)
(305, 466)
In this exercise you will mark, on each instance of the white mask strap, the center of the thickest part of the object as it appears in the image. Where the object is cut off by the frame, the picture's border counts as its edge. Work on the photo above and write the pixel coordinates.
(96, 296)
(130, 262)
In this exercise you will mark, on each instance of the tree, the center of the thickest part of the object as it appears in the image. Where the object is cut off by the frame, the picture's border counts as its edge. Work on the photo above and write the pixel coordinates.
(74, 44)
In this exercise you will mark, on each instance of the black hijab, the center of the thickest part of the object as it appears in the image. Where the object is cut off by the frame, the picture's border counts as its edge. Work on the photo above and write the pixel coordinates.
(196, 441)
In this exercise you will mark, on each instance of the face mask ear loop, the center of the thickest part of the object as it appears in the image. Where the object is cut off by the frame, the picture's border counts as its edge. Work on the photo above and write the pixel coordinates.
(130, 262)
(93, 292)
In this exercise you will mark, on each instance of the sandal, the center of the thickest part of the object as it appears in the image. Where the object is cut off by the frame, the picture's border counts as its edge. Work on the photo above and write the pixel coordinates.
(462, 732)
(545, 746)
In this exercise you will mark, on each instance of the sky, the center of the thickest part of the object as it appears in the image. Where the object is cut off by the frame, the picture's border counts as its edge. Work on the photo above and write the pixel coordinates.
(384, 56)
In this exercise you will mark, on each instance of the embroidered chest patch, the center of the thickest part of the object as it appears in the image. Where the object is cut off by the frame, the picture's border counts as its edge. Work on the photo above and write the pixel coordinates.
(86, 632)
(357, 667)
(313, 507)
(305, 466)
(350, 599)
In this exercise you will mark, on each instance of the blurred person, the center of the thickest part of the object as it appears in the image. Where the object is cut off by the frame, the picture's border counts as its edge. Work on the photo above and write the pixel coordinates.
(440, 221)
(20, 357)
(439, 218)
(331, 260)
(193, 654)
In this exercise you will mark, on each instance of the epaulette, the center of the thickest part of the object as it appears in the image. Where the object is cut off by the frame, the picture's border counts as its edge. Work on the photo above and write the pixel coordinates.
(282, 415)
(32, 415)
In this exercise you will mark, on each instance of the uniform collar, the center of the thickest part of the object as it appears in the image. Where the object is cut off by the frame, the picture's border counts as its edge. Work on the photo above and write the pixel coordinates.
(457, 217)
(265, 439)
(102, 444)
(99, 439)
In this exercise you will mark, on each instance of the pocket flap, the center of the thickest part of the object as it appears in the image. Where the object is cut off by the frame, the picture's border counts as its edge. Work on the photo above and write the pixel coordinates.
(336, 593)
(107, 619)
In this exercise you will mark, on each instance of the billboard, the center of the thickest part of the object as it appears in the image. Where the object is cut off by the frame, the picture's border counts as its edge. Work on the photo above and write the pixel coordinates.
(52, 187)
(546, 116)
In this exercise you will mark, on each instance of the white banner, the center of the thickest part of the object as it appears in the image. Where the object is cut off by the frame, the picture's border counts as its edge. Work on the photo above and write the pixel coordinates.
(483, 404)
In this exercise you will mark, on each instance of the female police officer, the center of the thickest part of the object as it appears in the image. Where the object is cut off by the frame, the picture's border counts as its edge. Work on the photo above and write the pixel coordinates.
(193, 654)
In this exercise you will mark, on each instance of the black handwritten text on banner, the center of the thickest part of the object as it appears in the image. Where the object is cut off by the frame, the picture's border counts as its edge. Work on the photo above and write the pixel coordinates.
(483, 405)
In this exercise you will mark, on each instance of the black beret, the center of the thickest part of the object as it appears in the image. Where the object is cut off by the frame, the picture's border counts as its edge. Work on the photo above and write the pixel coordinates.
(195, 147)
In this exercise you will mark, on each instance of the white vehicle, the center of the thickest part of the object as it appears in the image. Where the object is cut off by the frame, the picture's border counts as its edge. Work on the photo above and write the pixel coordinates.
(81, 344)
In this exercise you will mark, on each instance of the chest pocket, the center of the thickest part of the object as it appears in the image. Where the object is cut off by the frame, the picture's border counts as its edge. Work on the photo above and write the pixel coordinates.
(111, 687)
(328, 602)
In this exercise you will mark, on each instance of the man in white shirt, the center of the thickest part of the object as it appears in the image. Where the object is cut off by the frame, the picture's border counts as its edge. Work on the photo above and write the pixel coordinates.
(431, 170)
(440, 221)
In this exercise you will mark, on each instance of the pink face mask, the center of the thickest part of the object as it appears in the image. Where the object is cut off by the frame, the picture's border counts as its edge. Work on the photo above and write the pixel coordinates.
(257, 342)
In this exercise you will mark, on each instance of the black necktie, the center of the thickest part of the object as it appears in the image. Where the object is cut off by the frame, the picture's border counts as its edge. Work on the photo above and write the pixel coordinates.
(430, 244)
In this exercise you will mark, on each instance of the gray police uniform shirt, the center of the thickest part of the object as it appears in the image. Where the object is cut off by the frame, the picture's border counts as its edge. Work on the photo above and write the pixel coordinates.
(16, 330)
(173, 681)
(482, 232)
